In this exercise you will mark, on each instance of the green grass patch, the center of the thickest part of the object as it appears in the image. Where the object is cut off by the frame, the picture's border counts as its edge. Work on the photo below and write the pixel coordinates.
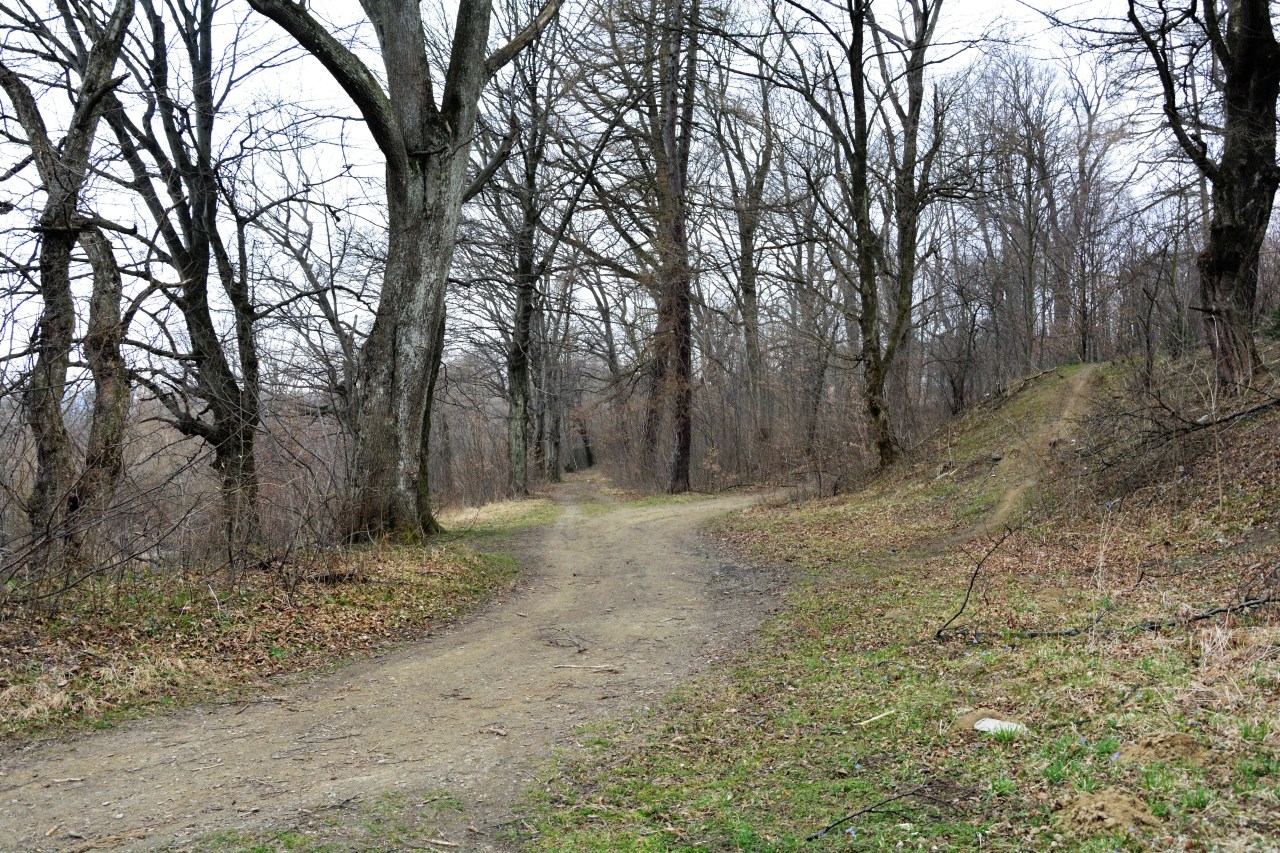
(395, 821)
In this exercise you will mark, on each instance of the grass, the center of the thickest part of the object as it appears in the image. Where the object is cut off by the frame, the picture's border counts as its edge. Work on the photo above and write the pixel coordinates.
(148, 640)
(500, 518)
(1137, 740)
(395, 821)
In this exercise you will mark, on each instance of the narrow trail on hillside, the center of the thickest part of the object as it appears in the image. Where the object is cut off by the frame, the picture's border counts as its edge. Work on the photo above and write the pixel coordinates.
(615, 605)
(1021, 468)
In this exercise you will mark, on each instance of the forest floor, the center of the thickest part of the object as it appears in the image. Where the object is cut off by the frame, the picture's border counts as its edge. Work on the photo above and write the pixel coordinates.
(429, 745)
(1052, 560)
(1093, 564)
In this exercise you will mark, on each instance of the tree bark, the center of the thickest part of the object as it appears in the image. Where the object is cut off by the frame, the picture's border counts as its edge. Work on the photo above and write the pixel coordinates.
(674, 344)
(104, 452)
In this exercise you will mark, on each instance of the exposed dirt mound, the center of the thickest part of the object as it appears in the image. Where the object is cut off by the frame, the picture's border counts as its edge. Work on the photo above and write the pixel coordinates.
(1089, 814)
(1165, 746)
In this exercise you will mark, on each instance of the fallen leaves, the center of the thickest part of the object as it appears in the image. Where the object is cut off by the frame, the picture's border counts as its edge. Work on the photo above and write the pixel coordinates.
(153, 637)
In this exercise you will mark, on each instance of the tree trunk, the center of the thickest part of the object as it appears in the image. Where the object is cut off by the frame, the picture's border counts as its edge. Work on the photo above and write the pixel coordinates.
(588, 455)
(403, 347)
(47, 382)
(519, 349)
(1243, 180)
(1244, 191)
(678, 74)
(518, 397)
(682, 380)
(104, 453)
(426, 147)
(238, 478)
(63, 169)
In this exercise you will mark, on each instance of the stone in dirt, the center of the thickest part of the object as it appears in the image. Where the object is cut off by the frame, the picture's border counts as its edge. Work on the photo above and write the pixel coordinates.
(1088, 814)
(1165, 746)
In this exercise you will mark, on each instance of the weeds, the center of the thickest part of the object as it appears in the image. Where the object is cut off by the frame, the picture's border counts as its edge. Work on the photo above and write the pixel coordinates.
(1155, 739)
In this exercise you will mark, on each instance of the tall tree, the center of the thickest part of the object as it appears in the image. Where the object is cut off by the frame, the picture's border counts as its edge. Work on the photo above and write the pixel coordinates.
(57, 496)
(744, 134)
(426, 146)
(672, 375)
(168, 142)
(831, 76)
(1240, 38)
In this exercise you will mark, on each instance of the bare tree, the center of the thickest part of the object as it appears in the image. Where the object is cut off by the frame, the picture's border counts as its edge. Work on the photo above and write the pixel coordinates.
(743, 131)
(1239, 38)
(58, 496)
(168, 145)
(425, 145)
(833, 80)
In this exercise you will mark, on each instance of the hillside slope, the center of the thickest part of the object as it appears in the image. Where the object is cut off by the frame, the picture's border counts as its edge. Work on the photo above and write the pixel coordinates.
(1068, 547)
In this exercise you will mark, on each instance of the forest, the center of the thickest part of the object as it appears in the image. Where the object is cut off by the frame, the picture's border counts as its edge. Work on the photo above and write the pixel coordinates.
(652, 425)
(277, 276)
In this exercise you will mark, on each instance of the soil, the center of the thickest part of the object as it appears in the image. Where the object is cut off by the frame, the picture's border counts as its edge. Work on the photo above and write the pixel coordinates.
(612, 610)
(1165, 746)
(1088, 814)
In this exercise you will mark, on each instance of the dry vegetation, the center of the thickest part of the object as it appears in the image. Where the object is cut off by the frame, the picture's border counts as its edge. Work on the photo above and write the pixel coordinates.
(1138, 739)
(149, 637)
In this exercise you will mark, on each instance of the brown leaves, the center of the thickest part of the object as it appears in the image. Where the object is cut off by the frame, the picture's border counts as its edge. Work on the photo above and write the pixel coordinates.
(162, 636)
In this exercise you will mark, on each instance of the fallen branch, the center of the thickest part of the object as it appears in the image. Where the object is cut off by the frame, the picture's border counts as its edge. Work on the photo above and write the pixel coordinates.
(107, 841)
(973, 579)
(876, 717)
(606, 667)
(1149, 625)
(901, 795)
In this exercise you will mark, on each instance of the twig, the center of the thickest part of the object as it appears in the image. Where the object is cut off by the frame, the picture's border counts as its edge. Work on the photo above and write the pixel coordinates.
(1149, 625)
(342, 804)
(107, 841)
(1156, 625)
(898, 796)
(973, 579)
(876, 717)
(605, 666)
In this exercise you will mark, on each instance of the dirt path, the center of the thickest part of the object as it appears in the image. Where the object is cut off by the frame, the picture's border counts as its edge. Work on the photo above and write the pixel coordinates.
(1021, 468)
(472, 712)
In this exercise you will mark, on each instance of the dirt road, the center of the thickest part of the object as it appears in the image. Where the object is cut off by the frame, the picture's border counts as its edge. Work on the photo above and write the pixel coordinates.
(613, 609)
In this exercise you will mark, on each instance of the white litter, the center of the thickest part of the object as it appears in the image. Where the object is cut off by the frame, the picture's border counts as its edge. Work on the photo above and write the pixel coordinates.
(990, 724)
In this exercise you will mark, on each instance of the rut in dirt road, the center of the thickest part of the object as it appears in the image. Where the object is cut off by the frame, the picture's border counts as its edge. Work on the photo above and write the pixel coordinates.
(618, 606)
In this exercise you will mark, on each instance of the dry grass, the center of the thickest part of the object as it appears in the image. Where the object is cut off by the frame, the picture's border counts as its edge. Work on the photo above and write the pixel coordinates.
(151, 638)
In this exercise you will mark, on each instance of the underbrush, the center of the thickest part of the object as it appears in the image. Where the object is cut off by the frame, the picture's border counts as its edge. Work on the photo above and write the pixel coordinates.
(1139, 725)
(149, 638)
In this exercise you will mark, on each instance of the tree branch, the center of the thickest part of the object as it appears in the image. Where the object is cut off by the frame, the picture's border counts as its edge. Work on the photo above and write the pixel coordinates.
(350, 73)
(522, 39)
